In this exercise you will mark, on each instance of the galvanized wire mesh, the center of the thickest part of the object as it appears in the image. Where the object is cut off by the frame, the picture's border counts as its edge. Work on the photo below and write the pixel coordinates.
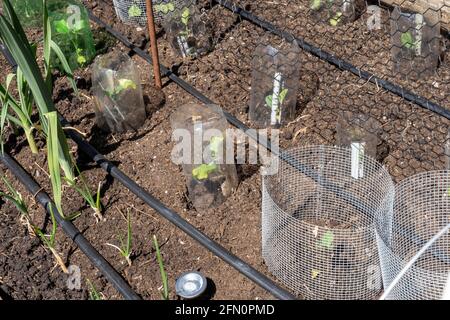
(421, 210)
(315, 242)
(135, 11)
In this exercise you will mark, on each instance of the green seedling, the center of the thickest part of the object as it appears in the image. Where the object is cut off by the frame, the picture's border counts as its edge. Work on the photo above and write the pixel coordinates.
(93, 293)
(327, 240)
(164, 8)
(71, 31)
(84, 191)
(407, 40)
(49, 240)
(125, 247)
(185, 17)
(336, 19)
(14, 197)
(134, 11)
(281, 98)
(316, 4)
(165, 293)
(123, 84)
(203, 171)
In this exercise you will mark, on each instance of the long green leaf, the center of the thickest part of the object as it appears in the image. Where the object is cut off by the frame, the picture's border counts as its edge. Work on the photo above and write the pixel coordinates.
(161, 269)
(65, 64)
(52, 159)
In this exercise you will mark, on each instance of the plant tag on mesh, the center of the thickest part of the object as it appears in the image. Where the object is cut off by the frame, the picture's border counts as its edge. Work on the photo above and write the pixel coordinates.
(275, 116)
(357, 159)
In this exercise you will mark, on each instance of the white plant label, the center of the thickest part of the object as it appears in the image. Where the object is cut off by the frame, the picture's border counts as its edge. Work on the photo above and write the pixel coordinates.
(419, 31)
(275, 98)
(357, 159)
(184, 46)
(374, 20)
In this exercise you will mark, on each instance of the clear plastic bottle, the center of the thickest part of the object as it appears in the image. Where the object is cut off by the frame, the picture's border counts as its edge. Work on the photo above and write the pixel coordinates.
(275, 84)
(415, 42)
(201, 130)
(118, 93)
(187, 33)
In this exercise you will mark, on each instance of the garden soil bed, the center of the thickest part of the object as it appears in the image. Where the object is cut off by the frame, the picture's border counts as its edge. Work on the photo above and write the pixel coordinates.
(412, 142)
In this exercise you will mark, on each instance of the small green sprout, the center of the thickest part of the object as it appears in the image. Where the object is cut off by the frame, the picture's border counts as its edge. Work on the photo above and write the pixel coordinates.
(185, 16)
(14, 197)
(407, 40)
(71, 30)
(134, 11)
(165, 293)
(165, 8)
(336, 19)
(93, 293)
(327, 240)
(125, 247)
(316, 4)
(87, 196)
(281, 97)
(123, 84)
(203, 171)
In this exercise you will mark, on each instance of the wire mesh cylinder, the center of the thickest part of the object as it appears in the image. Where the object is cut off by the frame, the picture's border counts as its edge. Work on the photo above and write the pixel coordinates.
(135, 11)
(318, 223)
(421, 210)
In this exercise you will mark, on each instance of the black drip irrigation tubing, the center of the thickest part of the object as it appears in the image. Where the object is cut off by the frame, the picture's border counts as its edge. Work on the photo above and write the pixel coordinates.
(237, 263)
(309, 172)
(69, 229)
(340, 63)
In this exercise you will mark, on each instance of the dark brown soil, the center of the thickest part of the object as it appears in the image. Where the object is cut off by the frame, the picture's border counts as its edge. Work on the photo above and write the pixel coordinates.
(413, 137)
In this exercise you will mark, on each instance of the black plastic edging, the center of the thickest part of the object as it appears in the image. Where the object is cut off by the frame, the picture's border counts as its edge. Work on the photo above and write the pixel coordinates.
(339, 63)
(359, 205)
(69, 229)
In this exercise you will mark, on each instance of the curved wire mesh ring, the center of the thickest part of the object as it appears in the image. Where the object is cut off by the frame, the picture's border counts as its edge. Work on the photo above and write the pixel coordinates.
(315, 242)
(134, 11)
(421, 210)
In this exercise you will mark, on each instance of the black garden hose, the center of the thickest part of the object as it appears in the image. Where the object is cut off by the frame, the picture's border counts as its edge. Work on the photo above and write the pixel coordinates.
(339, 63)
(69, 229)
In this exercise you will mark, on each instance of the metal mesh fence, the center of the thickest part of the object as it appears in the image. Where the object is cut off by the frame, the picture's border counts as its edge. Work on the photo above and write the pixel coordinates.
(135, 11)
(314, 241)
(421, 210)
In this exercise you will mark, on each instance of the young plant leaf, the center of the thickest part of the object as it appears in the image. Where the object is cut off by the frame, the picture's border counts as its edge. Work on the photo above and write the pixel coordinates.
(269, 101)
(203, 171)
(283, 95)
(327, 240)
(185, 16)
(134, 11)
(162, 271)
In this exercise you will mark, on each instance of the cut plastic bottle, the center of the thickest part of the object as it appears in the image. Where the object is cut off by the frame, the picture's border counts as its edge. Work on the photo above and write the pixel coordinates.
(118, 93)
(275, 84)
(187, 33)
(200, 132)
(415, 42)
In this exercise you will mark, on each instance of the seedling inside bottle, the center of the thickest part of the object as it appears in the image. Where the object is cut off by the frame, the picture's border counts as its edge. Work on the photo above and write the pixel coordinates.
(134, 11)
(203, 171)
(165, 8)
